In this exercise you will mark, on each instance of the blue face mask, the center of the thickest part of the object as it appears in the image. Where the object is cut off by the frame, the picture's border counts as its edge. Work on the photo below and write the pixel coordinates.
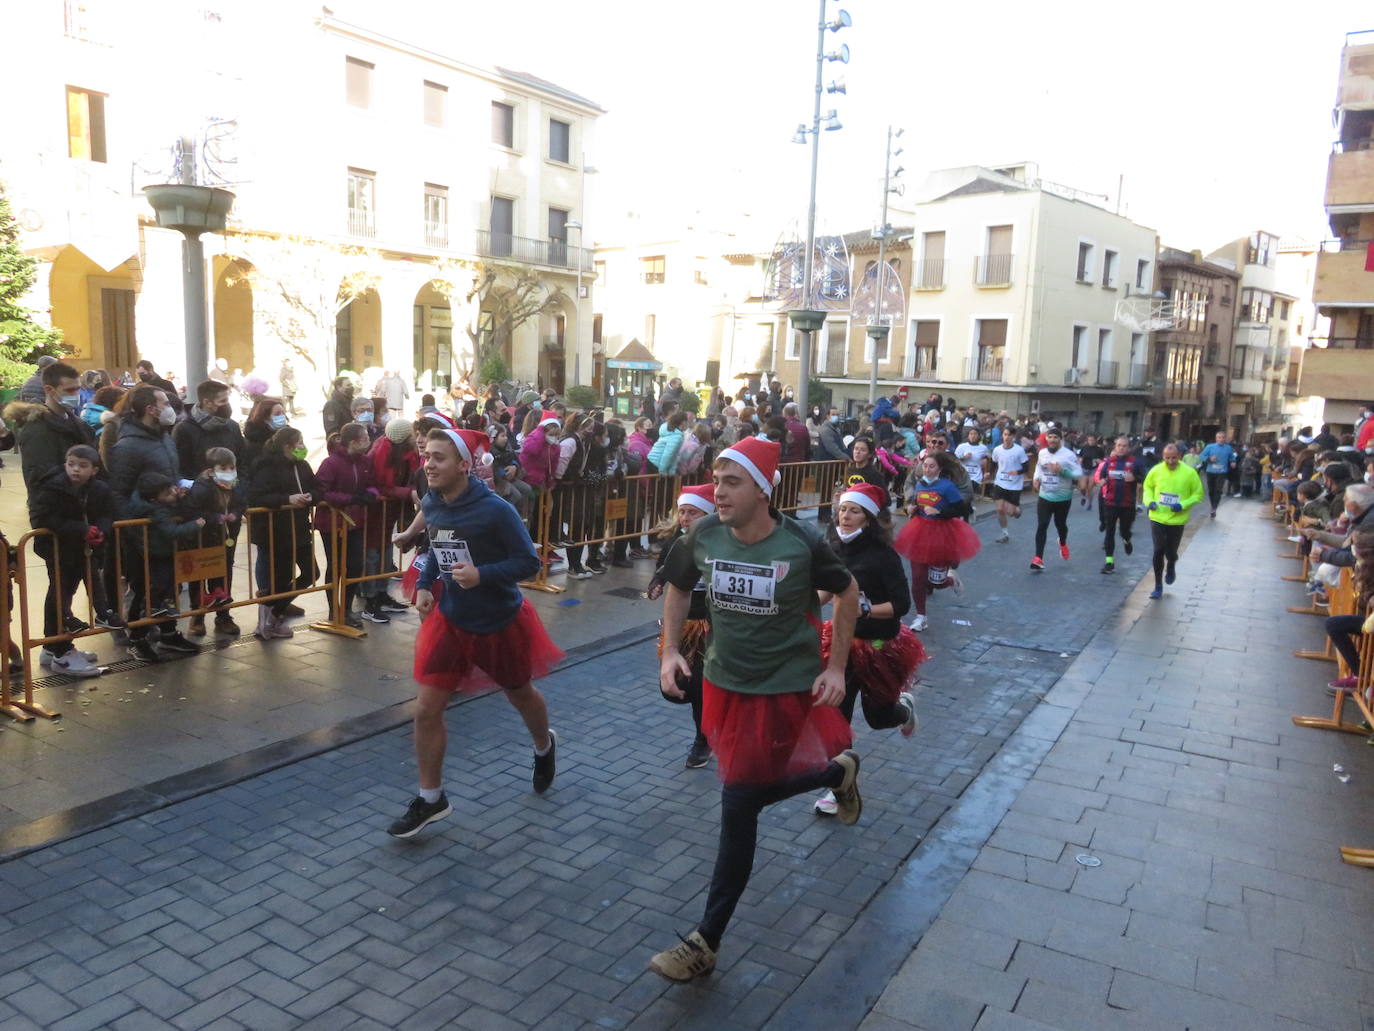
(69, 400)
(277, 421)
(363, 417)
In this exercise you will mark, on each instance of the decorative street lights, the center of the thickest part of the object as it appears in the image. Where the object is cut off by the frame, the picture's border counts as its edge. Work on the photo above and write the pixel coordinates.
(191, 210)
(807, 320)
(878, 329)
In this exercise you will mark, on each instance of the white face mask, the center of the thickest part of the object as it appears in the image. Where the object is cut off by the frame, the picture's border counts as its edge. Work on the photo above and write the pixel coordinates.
(227, 478)
(848, 535)
(167, 416)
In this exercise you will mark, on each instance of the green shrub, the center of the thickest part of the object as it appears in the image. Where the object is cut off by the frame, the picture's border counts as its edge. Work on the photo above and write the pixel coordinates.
(582, 397)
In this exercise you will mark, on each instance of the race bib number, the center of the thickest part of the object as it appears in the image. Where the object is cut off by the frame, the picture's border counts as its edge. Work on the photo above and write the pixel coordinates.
(449, 550)
(1116, 474)
(744, 587)
(1168, 499)
(1049, 481)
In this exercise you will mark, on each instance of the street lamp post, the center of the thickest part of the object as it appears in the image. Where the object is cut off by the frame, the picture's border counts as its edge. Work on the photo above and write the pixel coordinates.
(807, 320)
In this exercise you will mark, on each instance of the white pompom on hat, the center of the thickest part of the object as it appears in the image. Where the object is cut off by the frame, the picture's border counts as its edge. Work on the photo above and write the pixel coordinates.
(759, 458)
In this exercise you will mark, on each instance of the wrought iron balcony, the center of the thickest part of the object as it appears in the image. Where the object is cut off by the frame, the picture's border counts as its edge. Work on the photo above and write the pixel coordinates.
(362, 223)
(531, 252)
(1106, 373)
(436, 234)
(930, 274)
(985, 368)
(992, 270)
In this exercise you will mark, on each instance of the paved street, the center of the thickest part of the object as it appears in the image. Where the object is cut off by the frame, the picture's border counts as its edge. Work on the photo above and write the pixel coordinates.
(277, 901)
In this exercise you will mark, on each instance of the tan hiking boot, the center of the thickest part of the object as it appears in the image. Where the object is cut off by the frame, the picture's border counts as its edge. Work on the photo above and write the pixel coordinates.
(847, 794)
(686, 961)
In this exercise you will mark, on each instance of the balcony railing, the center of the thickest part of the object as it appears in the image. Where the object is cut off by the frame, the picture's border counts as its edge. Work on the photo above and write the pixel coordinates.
(992, 270)
(436, 234)
(361, 223)
(1347, 243)
(651, 277)
(532, 252)
(1164, 389)
(1073, 377)
(1106, 373)
(985, 368)
(926, 364)
(1137, 377)
(930, 274)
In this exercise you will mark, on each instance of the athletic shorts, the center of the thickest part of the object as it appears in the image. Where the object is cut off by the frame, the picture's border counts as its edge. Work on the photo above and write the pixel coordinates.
(1011, 497)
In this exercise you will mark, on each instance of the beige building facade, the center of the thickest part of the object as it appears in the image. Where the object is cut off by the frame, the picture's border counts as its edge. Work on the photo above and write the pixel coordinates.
(374, 178)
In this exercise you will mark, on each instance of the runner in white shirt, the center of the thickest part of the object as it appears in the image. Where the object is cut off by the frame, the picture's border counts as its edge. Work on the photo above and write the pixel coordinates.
(973, 456)
(1011, 461)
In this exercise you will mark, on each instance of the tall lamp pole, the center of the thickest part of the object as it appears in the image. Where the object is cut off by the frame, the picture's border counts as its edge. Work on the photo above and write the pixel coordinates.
(807, 320)
(878, 330)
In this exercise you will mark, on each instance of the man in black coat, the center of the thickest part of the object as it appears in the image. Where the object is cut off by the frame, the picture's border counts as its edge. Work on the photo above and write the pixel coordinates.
(338, 410)
(209, 424)
(147, 374)
(46, 431)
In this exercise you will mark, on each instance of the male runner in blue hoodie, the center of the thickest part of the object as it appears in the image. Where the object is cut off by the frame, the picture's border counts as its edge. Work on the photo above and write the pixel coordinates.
(484, 631)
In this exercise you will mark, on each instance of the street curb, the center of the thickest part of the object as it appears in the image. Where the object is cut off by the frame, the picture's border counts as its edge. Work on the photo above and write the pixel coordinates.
(845, 985)
(125, 805)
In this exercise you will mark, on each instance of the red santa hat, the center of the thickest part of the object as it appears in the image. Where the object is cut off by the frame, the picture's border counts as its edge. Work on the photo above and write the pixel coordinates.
(759, 459)
(870, 497)
(702, 497)
(550, 418)
(473, 446)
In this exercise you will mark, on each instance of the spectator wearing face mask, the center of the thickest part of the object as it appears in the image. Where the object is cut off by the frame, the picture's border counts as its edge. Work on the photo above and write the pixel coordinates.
(209, 424)
(338, 409)
(45, 431)
(146, 373)
(220, 498)
(365, 415)
(267, 416)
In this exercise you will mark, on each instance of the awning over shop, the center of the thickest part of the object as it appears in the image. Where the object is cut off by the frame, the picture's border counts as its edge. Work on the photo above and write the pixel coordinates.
(635, 356)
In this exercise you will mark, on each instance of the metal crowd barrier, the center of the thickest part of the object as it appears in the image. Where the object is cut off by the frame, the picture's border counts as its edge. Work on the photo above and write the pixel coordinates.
(625, 508)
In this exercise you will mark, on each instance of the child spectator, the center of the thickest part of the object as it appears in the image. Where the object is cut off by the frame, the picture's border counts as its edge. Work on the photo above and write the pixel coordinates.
(1315, 510)
(220, 498)
(150, 583)
(78, 509)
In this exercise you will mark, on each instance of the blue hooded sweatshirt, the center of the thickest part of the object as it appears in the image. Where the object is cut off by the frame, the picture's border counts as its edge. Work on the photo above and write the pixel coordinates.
(491, 532)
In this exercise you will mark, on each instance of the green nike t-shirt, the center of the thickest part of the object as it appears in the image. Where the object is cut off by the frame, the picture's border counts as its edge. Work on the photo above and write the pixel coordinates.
(765, 617)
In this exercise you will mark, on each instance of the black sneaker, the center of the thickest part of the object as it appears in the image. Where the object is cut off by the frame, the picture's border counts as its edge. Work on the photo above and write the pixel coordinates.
(1169, 573)
(76, 626)
(1127, 545)
(420, 815)
(596, 566)
(700, 754)
(543, 766)
(143, 649)
(177, 643)
(1109, 568)
(390, 604)
(374, 614)
(109, 620)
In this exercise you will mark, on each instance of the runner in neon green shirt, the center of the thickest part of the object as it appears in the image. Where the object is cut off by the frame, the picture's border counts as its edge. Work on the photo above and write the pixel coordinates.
(1171, 489)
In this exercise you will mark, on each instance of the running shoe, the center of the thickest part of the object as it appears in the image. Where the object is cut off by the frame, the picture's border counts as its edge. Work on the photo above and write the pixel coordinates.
(75, 664)
(1002, 537)
(919, 622)
(637, 552)
(579, 573)
(1214, 513)
(1157, 593)
(419, 815)
(699, 755)
(544, 766)
(594, 564)
(1064, 552)
(46, 657)
(76, 626)
(1169, 573)
(913, 722)
(687, 961)
(1125, 543)
(1037, 564)
(389, 604)
(955, 584)
(1295, 539)
(850, 805)
(374, 614)
(109, 620)
(177, 643)
(1109, 568)
(143, 649)
(826, 804)
(1343, 684)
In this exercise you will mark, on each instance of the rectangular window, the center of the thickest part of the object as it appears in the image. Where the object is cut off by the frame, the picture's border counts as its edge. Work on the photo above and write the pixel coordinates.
(1142, 274)
(358, 82)
(836, 343)
(1284, 313)
(1085, 262)
(558, 236)
(502, 227)
(652, 270)
(932, 272)
(436, 215)
(1104, 345)
(436, 104)
(1109, 263)
(992, 342)
(560, 141)
(502, 124)
(927, 349)
(650, 328)
(1080, 346)
(362, 200)
(600, 267)
(85, 124)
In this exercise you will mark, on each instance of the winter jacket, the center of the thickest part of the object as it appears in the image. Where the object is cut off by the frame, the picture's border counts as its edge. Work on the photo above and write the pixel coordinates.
(1343, 544)
(499, 546)
(798, 445)
(212, 502)
(393, 481)
(57, 504)
(275, 478)
(95, 416)
(832, 444)
(197, 434)
(346, 483)
(255, 438)
(164, 534)
(664, 453)
(139, 449)
(393, 390)
(338, 410)
(879, 573)
(44, 437)
(640, 445)
(539, 459)
(167, 387)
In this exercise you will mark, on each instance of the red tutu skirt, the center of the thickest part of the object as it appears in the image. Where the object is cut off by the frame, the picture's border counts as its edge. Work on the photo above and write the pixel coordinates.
(937, 542)
(459, 660)
(883, 669)
(765, 738)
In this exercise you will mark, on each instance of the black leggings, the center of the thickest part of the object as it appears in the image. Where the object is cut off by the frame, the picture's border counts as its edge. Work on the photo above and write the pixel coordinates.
(1044, 510)
(1116, 517)
(1342, 631)
(879, 717)
(1166, 537)
(1216, 488)
(740, 805)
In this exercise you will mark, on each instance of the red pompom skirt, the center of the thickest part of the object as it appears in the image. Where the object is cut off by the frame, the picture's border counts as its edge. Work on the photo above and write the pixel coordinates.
(882, 669)
(458, 660)
(937, 542)
(766, 738)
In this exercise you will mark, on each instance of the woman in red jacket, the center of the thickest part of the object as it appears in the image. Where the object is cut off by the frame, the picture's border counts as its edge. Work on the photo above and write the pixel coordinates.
(394, 464)
(345, 480)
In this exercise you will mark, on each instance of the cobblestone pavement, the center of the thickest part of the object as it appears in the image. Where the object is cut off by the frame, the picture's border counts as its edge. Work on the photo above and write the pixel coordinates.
(280, 902)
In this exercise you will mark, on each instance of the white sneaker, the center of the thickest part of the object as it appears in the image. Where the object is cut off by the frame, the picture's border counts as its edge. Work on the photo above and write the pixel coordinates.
(1002, 538)
(75, 664)
(919, 623)
(913, 724)
(279, 627)
(826, 805)
(955, 584)
(45, 657)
